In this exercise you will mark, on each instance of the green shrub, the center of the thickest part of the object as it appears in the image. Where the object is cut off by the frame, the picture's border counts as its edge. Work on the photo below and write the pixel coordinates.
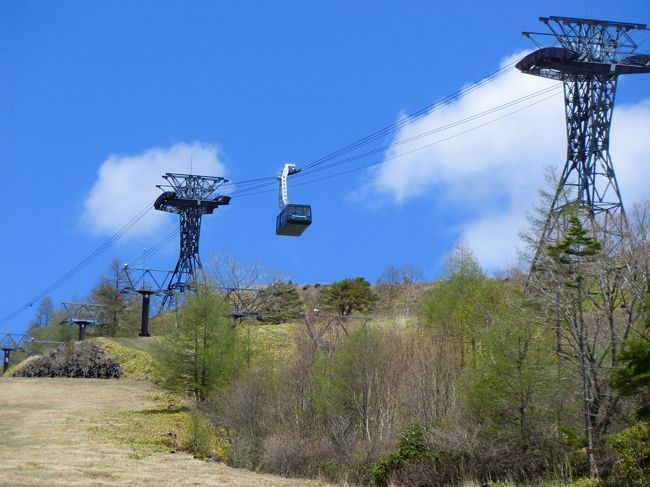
(585, 482)
(202, 437)
(631, 448)
(576, 453)
(410, 448)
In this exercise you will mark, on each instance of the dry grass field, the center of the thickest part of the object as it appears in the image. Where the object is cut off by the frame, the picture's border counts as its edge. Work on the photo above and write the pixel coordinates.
(53, 433)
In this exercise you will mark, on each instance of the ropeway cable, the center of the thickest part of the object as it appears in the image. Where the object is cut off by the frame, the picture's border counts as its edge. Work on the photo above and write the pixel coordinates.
(396, 156)
(248, 187)
(154, 249)
(417, 114)
(81, 265)
(257, 183)
(259, 188)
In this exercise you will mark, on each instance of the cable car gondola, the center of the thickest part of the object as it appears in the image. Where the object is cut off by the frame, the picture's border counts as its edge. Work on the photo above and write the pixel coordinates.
(294, 218)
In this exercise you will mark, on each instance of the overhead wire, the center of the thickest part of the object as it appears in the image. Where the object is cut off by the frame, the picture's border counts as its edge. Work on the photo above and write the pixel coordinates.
(250, 187)
(396, 156)
(246, 182)
(305, 173)
(436, 130)
(81, 265)
(260, 182)
(465, 90)
(154, 249)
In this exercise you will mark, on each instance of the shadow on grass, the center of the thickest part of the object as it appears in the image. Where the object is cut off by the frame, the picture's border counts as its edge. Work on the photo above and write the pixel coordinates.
(168, 410)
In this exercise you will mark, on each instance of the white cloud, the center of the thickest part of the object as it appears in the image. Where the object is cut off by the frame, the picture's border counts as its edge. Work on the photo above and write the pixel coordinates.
(494, 172)
(126, 184)
(630, 150)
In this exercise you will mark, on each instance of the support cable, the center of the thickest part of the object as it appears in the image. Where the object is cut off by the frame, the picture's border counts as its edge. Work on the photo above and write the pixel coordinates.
(365, 166)
(553, 90)
(419, 113)
(81, 265)
(155, 248)
(253, 184)
(250, 187)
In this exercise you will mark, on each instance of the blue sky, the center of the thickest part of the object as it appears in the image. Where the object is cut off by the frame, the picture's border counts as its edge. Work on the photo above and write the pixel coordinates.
(99, 96)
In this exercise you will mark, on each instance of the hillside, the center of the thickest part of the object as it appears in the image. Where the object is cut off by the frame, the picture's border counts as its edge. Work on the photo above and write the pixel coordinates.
(57, 432)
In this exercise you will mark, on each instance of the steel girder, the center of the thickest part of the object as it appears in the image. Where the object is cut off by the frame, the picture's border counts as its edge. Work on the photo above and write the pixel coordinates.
(588, 177)
(189, 260)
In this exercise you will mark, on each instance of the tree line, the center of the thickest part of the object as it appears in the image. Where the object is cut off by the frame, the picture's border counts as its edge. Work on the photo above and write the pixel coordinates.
(526, 378)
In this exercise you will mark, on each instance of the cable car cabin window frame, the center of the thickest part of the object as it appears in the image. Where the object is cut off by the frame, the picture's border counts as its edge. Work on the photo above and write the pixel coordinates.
(293, 220)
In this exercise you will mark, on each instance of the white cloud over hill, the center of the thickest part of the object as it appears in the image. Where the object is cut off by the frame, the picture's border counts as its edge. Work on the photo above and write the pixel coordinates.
(127, 184)
(494, 173)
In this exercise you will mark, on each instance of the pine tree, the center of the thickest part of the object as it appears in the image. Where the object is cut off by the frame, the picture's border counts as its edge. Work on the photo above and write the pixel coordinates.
(120, 313)
(349, 295)
(572, 255)
(280, 303)
(204, 354)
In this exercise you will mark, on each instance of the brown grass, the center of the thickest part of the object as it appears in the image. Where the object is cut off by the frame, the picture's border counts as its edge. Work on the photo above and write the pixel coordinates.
(52, 434)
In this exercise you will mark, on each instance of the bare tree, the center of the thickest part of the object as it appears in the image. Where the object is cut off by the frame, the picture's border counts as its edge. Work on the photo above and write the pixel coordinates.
(412, 288)
(591, 292)
(44, 313)
(242, 284)
(388, 287)
(428, 377)
(311, 295)
(400, 288)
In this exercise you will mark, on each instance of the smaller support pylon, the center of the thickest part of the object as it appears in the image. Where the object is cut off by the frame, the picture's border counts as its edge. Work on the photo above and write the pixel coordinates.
(146, 283)
(83, 315)
(10, 342)
(5, 362)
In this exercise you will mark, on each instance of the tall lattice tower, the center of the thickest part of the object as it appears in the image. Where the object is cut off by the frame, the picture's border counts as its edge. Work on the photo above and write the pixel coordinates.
(191, 197)
(590, 57)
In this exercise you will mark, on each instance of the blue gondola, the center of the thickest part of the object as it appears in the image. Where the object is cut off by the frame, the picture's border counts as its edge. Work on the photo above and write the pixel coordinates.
(293, 220)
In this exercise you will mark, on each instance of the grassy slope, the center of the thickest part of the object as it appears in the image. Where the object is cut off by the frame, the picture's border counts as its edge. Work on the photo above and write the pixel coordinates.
(133, 354)
(127, 432)
(74, 432)
(112, 432)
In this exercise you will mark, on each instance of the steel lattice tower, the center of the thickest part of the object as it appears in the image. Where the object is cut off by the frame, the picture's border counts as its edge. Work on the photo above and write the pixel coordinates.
(592, 55)
(190, 197)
